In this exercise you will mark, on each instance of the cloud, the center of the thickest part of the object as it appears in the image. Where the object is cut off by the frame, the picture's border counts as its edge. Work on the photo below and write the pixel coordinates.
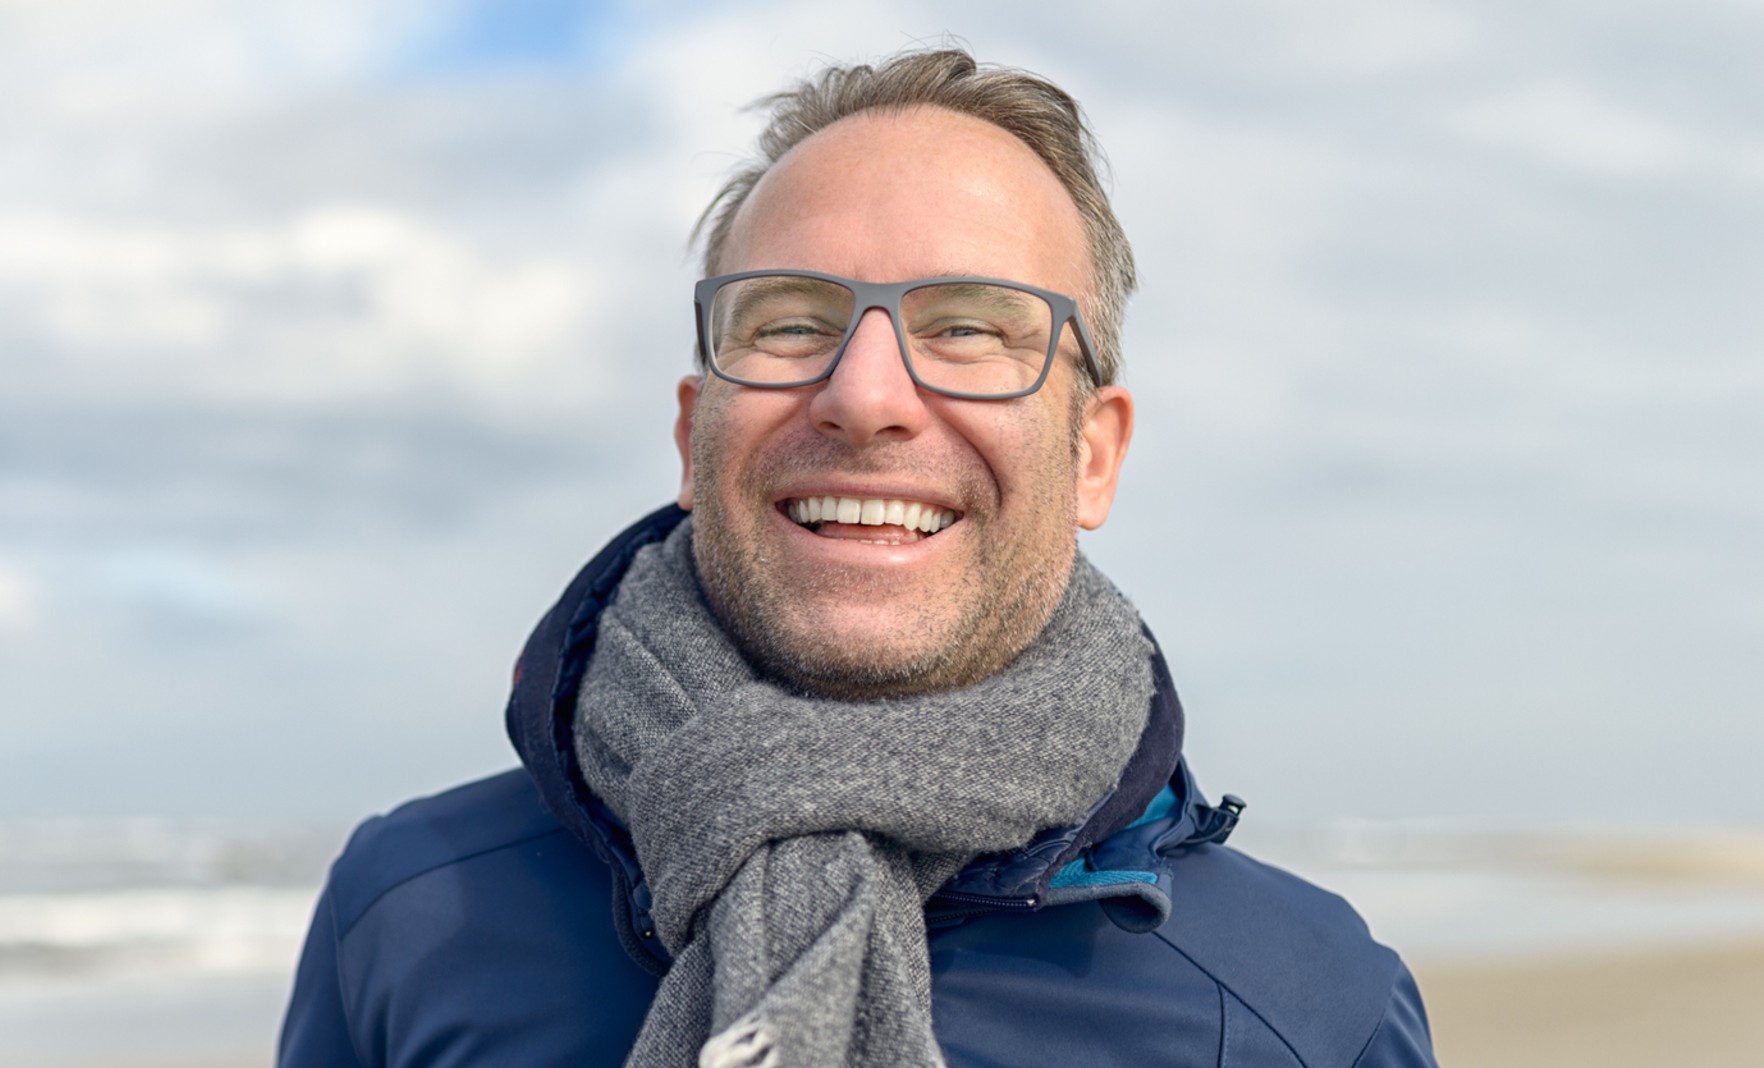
(1570, 125)
(337, 301)
(110, 59)
(18, 601)
(173, 588)
(318, 314)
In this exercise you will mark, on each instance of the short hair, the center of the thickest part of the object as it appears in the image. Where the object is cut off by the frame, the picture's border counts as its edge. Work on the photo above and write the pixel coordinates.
(1041, 115)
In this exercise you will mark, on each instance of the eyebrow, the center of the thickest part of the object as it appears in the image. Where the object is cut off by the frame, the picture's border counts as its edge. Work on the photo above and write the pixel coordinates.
(1001, 297)
(754, 290)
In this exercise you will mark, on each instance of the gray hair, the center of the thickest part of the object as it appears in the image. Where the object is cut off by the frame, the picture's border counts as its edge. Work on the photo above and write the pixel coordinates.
(1042, 115)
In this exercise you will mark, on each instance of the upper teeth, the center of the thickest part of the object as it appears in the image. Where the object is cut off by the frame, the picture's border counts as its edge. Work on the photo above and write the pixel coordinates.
(871, 512)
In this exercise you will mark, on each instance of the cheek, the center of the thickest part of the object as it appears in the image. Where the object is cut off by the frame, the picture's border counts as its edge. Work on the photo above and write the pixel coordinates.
(733, 429)
(713, 454)
(1029, 453)
(716, 425)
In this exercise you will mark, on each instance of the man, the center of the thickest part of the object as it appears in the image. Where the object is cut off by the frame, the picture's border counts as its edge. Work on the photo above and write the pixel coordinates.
(860, 762)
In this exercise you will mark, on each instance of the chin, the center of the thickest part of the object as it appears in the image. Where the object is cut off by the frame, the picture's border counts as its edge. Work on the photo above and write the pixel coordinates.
(854, 662)
(834, 655)
(869, 679)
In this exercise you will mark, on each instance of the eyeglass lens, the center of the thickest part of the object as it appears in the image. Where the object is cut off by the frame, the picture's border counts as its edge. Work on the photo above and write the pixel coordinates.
(965, 337)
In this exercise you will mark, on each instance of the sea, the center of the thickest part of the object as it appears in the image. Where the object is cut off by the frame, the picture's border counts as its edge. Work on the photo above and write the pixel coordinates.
(151, 942)
(157, 942)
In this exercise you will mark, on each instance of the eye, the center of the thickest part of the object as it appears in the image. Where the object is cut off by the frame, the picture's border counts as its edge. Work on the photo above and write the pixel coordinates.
(793, 328)
(967, 328)
(795, 337)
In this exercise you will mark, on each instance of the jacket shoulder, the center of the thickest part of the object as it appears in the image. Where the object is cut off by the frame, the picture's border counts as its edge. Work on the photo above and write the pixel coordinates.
(435, 832)
(468, 927)
(1298, 959)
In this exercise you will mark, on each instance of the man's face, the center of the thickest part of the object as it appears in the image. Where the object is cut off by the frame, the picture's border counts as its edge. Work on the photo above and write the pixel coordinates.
(863, 610)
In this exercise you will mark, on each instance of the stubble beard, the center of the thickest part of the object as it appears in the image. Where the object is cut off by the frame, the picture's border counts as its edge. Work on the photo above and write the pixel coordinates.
(992, 611)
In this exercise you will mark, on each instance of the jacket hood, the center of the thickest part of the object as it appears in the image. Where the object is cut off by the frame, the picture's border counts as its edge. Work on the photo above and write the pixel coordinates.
(1116, 855)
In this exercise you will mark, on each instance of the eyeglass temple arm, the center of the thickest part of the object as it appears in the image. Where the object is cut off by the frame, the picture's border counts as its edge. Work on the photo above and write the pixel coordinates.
(1086, 347)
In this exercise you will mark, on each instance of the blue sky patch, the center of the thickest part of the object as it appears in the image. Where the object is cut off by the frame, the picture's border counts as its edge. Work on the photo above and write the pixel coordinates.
(498, 35)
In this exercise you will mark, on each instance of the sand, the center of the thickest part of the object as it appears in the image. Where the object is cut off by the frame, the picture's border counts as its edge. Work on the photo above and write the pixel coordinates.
(1679, 1008)
(1701, 1008)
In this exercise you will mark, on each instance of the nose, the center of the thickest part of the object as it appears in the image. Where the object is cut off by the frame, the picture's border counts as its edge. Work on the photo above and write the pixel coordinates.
(870, 397)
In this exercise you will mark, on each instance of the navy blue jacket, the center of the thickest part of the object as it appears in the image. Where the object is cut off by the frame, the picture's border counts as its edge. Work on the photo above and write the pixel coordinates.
(507, 922)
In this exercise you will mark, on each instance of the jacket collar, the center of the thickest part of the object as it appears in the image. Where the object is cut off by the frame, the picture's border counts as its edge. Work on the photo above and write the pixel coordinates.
(1116, 855)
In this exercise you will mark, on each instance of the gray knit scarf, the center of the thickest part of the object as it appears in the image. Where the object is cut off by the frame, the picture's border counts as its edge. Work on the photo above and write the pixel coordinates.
(790, 842)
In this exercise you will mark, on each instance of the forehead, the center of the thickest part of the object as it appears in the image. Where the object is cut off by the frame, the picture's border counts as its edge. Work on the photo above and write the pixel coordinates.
(888, 196)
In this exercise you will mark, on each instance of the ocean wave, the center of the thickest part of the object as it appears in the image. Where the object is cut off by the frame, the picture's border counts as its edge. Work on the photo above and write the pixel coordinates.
(71, 855)
(164, 932)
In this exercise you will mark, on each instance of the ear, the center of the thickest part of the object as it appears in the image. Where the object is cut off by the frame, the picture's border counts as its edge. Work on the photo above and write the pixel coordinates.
(1102, 446)
(688, 391)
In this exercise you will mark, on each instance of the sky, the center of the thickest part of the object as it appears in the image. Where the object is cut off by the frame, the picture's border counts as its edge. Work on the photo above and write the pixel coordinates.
(335, 336)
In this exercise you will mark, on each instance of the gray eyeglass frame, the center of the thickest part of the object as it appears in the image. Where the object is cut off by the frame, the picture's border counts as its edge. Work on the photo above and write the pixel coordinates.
(887, 296)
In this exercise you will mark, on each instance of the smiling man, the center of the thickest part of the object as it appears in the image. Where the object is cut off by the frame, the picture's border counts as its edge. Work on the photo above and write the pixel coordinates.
(851, 758)
(853, 603)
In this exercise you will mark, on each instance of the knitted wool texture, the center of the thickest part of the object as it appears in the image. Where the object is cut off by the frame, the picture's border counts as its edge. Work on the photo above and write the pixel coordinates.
(790, 842)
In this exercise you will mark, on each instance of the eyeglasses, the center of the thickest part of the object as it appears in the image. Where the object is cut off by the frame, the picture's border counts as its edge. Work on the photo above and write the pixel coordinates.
(973, 338)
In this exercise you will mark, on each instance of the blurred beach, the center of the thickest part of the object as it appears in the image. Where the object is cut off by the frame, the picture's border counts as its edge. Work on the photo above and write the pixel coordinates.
(1614, 1008)
(1565, 948)
(150, 943)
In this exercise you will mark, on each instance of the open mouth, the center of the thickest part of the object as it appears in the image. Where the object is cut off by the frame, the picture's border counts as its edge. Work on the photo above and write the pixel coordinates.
(890, 521)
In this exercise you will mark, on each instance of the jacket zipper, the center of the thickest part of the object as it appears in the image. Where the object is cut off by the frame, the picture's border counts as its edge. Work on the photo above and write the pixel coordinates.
(1011, 904)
